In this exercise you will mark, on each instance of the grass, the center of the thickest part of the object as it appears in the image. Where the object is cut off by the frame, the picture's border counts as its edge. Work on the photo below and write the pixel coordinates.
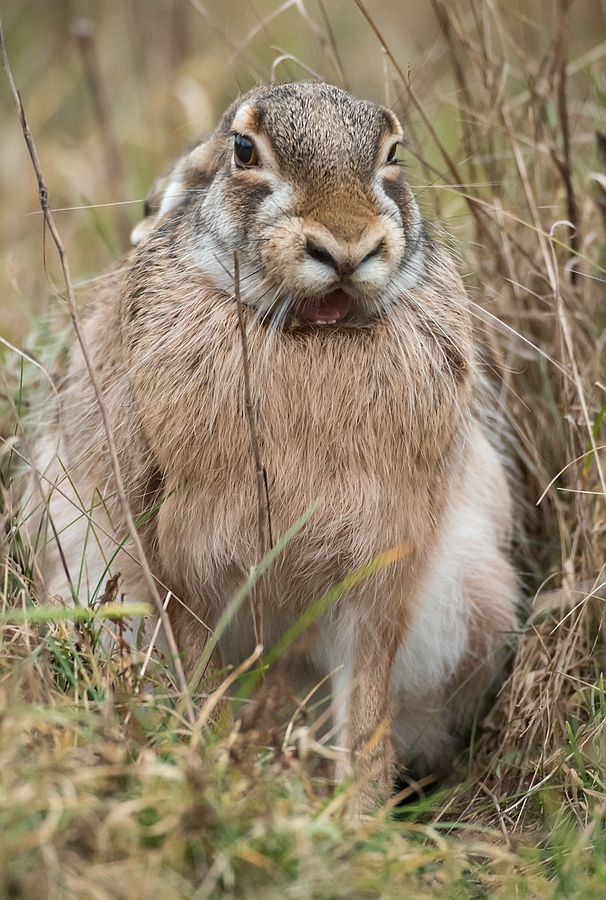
(106, 789)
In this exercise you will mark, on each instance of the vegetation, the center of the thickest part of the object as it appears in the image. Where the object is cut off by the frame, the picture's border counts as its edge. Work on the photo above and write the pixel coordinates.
(106, 789)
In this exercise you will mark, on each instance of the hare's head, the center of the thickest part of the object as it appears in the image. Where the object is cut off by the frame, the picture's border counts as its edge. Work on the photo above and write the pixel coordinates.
(302, 180)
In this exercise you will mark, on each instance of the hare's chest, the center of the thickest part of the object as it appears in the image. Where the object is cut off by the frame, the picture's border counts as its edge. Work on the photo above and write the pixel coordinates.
(323, 437)
(337, 422)
(346, 440)
(325, 415)
(351, 464)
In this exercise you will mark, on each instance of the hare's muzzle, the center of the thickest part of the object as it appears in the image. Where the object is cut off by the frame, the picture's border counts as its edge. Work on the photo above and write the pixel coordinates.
(326, 310)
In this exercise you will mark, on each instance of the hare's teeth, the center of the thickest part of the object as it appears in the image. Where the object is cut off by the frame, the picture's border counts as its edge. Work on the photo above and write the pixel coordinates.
(327, 321)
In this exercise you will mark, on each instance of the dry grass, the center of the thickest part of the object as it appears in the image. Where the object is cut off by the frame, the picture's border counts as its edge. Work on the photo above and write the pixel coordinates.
(105, 789)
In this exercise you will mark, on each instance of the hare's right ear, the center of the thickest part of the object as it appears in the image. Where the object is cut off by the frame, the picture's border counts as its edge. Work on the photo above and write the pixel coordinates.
(192, 171)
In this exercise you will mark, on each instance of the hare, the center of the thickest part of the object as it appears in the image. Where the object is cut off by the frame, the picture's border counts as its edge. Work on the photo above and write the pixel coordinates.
(363, 383)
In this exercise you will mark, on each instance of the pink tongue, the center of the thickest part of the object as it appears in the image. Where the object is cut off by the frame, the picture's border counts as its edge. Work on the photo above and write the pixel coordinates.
(330, 308)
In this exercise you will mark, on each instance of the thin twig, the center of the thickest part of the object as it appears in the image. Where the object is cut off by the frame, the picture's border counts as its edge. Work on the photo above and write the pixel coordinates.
(530, 198)
(262, 493)
(473, 203)
(83, 31)
(500, 816)
(444, 15)
(334, 46)
(218, 694)
(563, 162)
(126, 511)
(569, 344)
(216, 25)
(153, 640)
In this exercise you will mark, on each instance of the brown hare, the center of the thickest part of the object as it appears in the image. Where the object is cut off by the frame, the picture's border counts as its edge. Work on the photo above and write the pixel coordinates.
(363, 383)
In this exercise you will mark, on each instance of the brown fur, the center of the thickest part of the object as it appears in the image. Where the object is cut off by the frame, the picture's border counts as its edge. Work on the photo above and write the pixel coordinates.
(373, 416)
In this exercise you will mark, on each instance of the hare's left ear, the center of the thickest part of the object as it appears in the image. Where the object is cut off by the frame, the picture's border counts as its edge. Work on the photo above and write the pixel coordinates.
(165, 193)
(193, 170)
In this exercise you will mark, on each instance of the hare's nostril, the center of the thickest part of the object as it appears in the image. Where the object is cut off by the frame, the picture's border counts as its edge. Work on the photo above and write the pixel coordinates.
(345, 266)
(376, 251)
(321, 254)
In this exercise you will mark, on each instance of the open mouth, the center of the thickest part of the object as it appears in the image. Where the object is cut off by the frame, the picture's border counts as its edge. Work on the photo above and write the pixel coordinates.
(326, 310)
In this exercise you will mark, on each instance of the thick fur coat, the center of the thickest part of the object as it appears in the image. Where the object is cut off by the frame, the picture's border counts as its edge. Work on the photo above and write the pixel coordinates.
(362, 381)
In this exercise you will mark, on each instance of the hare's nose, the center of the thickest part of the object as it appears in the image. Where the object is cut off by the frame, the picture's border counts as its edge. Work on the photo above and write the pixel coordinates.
(345, 262)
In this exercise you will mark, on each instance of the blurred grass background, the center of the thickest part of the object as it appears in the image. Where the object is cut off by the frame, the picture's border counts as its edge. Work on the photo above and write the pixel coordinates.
(500, 103)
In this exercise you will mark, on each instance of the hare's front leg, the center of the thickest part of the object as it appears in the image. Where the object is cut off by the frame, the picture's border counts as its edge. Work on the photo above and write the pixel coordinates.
(365, 651)
(369, 730)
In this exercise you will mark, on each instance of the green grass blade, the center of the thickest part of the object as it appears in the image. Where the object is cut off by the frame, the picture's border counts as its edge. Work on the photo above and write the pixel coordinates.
(42, 614)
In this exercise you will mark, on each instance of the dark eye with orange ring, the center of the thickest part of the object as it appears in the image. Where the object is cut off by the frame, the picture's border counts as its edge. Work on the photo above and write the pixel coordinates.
(245, 152)
(391, 156)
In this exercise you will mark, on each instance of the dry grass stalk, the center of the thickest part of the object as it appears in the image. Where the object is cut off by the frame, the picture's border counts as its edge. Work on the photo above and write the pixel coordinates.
(264, 509)
(83, 31)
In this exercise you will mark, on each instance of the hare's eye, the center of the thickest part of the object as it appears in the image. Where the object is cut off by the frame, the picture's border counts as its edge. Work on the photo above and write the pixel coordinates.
(391, 156)
(245, 151)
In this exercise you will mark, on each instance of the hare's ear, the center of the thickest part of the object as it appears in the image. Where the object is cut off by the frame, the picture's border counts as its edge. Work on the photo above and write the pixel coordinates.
(193, 171)
(164, 194)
